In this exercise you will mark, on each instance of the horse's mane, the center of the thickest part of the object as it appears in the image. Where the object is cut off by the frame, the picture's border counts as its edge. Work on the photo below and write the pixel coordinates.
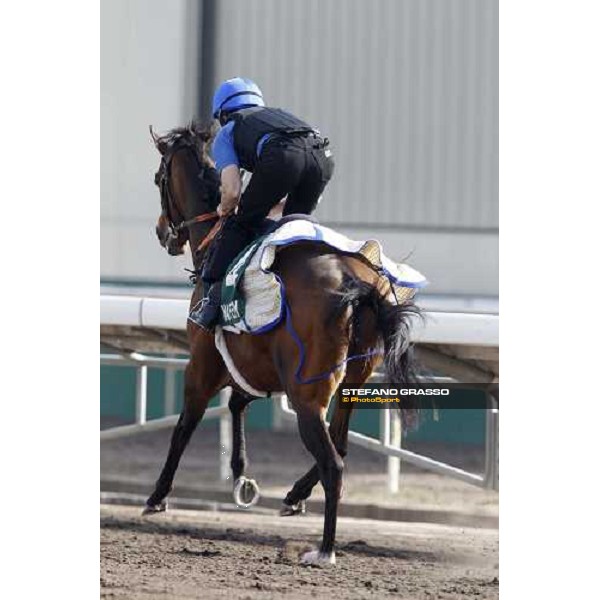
(194, 133)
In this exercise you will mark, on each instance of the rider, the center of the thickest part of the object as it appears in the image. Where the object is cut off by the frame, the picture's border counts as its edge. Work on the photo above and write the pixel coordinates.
(285, 155)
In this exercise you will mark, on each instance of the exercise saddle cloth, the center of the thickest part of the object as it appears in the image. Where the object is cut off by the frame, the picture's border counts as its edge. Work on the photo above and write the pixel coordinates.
(253, 297)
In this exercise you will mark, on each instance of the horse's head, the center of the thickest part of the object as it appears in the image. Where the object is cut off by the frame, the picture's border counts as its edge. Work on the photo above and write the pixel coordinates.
(188, 184)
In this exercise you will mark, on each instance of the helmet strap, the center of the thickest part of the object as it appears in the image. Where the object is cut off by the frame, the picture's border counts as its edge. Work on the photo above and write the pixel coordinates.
(235, 96)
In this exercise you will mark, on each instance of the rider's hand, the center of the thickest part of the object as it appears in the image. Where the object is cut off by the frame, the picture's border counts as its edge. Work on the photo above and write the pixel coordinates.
(226, 207)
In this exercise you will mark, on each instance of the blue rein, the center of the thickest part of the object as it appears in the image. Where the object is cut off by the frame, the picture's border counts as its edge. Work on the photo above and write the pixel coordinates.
(321, 376)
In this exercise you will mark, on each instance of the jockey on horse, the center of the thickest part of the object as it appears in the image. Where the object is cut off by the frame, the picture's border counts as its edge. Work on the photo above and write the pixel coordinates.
(286, 156)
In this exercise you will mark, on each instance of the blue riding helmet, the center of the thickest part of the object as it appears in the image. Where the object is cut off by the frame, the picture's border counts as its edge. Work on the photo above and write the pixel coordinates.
(236, 93)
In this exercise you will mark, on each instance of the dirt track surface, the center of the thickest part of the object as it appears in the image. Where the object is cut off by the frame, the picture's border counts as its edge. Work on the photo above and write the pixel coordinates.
(277, 459)
(185, 554)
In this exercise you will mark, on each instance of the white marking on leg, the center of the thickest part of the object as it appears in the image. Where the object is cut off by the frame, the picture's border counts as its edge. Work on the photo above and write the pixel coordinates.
(316, 557)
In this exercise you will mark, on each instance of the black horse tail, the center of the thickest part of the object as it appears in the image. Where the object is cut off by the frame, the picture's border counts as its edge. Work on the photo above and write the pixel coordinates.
(393, 324)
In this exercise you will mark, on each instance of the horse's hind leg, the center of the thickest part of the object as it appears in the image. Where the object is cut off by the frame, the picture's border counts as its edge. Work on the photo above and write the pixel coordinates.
(245, 491)
(317, 440)
(295, 500)
(357, 373)
(196, 396)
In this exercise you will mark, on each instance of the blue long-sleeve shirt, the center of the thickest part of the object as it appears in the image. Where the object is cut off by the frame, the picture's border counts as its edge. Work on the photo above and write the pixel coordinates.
(223, 148)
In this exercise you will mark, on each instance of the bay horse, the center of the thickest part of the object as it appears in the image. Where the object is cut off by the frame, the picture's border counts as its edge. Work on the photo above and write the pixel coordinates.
(341, 309)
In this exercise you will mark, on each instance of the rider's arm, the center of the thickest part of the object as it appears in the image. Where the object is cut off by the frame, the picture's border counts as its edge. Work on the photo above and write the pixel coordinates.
(227, 163)
(231, 189)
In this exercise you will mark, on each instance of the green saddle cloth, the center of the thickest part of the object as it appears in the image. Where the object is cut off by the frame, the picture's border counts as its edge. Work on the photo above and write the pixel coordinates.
(233, 303)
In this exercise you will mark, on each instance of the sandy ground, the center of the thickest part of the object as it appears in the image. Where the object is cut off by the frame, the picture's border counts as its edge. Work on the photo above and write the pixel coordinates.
(241, 555)
(185, 554)
(277, 459)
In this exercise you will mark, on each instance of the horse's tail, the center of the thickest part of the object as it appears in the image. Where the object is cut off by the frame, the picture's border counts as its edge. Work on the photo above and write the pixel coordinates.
(393, 324)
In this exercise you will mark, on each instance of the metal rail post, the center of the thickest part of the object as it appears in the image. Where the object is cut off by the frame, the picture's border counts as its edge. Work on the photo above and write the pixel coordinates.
(496, 454)
(278, 417)
(384, 427)
(141, 394)
(389, 436)
(491, 477)
(225, 435)
(395, 441)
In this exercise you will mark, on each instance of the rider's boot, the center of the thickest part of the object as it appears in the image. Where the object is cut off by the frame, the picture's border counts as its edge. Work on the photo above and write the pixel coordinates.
(206, 314)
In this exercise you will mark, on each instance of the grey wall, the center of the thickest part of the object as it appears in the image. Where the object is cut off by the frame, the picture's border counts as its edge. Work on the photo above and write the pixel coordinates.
(407, 90)
(149, 75)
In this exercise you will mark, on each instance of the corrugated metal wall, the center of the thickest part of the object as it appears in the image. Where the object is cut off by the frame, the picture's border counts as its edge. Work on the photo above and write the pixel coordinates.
(406, 89)
(149, 75)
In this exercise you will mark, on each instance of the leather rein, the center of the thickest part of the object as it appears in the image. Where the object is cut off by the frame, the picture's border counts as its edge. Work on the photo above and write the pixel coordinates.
(209, 237)
(162, 181)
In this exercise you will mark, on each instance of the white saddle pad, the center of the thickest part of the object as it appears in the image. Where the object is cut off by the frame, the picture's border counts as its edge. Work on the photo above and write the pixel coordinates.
(252, 294)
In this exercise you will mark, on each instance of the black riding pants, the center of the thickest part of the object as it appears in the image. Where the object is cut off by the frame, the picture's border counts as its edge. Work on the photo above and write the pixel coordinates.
(299, 167)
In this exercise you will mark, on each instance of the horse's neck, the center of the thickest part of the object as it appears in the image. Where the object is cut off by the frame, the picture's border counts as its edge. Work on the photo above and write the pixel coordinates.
(195, 240)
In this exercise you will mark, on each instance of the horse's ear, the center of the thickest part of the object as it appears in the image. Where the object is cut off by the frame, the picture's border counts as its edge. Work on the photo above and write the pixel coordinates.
(158, 142)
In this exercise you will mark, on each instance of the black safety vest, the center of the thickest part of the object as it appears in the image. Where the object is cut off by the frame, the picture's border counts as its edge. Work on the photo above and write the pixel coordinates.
(252, 123)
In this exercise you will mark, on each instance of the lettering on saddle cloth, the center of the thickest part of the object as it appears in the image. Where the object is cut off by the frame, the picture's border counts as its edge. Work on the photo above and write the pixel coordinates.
(231, 311)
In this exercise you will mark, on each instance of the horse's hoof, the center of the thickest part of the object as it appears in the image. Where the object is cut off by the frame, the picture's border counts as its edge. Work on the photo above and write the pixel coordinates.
(245, 492)
(316, 557)
(151, 509)
(290, 510)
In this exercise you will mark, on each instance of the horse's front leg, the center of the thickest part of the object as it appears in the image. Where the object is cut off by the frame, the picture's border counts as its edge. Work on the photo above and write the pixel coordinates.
(199, 388)
(245, 491)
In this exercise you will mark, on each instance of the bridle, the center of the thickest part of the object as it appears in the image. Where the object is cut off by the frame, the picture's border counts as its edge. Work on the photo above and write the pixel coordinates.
(162, 180)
